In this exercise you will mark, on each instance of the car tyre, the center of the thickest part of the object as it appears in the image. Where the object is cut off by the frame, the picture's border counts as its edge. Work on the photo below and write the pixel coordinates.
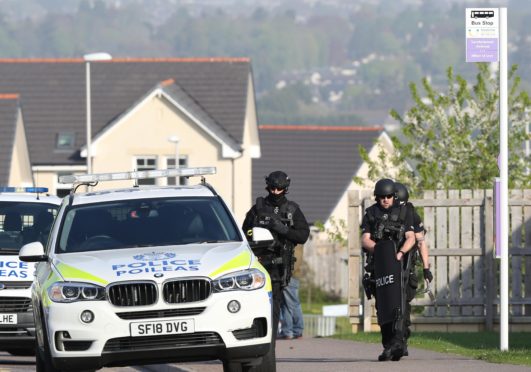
(43, 357)
(229, 366)
(269, 361)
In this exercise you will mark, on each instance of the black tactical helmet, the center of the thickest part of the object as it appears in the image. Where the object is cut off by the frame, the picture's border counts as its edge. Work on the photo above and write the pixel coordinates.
(278, 180)
(383, 187)
(401, 192)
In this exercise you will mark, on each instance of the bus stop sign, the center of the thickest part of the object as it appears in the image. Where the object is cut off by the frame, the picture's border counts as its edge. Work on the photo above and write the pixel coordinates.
(482, 34)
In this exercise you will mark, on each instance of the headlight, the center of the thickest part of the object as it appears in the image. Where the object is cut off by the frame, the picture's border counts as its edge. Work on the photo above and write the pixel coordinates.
(246, 280)
(71, 292)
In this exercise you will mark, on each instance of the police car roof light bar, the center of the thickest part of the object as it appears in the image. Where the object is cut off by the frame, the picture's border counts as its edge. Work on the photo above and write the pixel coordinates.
(136, 175)
(35, 190)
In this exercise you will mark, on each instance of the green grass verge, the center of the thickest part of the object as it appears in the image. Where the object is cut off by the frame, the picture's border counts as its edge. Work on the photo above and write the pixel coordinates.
(478, 345)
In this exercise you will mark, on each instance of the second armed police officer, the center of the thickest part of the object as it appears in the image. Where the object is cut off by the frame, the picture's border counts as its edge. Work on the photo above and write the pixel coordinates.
(288, 225)
(402, 196)
(387, 236)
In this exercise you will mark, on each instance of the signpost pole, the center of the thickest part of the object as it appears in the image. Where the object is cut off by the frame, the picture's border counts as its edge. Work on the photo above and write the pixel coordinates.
(486, 41)
(504, 188)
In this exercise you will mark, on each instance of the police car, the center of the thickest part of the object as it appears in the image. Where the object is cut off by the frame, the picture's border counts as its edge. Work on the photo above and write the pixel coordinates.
(25, 216)
(146, 275)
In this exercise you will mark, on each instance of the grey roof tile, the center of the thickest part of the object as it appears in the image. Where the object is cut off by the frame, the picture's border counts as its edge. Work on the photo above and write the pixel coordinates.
(53, 95)
(320, 161)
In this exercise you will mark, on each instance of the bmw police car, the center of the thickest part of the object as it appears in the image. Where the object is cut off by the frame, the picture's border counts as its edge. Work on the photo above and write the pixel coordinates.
(148, 275)
(25, 216)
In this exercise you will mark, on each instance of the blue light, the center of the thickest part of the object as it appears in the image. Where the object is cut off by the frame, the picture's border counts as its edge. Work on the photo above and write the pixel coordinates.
(23, 189)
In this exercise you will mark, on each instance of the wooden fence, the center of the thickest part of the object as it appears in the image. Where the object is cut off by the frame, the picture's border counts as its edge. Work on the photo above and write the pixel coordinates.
(460, 239)
(326, 265)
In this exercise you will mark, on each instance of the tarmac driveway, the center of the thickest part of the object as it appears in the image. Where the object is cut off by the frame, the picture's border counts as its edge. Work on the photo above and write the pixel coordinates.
(324, 354)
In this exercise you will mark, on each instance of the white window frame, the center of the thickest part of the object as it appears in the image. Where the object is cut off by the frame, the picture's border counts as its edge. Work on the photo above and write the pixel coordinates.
(147, 181)
(183, 162)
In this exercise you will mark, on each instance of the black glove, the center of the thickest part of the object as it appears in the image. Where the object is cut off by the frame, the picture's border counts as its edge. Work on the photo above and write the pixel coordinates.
(278, 226)
(428, 275)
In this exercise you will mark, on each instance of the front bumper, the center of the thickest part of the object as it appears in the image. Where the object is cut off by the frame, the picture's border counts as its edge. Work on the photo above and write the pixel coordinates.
(20, 335)
(107, 341)
(119, 359)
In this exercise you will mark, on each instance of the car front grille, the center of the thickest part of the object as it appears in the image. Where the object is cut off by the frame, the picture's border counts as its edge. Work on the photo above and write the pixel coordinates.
(17, 285)
(185, 291)
(15, 304)
(132, 294)
(13, 332)
(161, 313)
(162, 342)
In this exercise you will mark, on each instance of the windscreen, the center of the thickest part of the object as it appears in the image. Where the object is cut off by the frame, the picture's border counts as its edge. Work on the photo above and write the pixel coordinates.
(145, 223)
(23, 222)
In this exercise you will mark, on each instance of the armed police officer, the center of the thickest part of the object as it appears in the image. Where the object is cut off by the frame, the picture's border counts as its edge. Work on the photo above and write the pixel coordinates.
(387, 236)
(288, 225)
(402, 196)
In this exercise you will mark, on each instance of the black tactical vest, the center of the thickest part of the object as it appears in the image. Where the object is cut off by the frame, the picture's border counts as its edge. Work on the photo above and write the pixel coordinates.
(388, 224)
(284, 211)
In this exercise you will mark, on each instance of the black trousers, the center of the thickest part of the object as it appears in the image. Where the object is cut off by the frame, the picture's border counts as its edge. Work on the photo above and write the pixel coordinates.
(411, 292)
(390, 335)
(274, 273)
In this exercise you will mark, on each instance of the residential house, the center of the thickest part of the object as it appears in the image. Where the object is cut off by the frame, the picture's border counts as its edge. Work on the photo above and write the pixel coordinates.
(206, 106)
(14, 155)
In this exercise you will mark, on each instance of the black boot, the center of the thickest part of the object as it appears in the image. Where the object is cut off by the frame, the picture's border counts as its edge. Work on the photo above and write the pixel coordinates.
(406, 353)
(397, 352)
(385, 355)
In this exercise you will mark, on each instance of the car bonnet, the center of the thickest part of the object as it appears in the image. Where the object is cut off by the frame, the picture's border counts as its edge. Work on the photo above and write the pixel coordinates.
(154, 263)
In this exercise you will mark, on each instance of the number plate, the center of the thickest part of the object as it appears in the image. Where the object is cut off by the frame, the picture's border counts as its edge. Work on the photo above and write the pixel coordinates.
(164, 327)
(8, 318)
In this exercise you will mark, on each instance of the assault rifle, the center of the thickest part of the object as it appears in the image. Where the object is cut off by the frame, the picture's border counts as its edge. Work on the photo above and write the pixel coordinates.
(368, 281)
(400, 322)
(281, 254)
(282, 257)
(387, 229)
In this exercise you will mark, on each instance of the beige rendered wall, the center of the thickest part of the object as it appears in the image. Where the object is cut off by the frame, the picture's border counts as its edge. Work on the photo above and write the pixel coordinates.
(47, 176)
(20, 169)
(145, 132)
(243, 165)
(46, 179)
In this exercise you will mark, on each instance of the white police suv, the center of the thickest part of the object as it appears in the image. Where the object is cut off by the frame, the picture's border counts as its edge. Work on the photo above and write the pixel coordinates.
(25, 216)
(147, 275)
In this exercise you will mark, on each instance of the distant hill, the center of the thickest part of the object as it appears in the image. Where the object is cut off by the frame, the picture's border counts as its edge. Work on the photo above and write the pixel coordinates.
(314, 61)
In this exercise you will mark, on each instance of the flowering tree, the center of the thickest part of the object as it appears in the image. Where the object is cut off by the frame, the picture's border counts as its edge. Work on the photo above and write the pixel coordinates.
(450, 140)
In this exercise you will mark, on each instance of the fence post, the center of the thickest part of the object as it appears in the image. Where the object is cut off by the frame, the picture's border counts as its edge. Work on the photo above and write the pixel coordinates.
(488, 214)
(354, 263)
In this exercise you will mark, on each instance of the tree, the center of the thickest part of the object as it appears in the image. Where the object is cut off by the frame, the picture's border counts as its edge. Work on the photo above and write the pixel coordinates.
(451, 139)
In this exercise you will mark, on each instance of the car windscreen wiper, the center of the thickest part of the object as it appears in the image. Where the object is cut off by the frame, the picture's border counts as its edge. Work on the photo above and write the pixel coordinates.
(9, 251)
(212, 241)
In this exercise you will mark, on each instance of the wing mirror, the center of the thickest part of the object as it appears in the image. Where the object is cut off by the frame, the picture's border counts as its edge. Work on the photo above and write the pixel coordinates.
(261, 241)
(32, 252)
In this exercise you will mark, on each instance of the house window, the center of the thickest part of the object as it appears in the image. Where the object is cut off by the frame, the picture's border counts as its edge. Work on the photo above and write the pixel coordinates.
(170, 163)
(145, 163)
(65, 140)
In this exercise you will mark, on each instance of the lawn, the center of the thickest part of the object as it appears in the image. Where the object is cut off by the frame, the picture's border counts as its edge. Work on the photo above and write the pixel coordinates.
(480, 345)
